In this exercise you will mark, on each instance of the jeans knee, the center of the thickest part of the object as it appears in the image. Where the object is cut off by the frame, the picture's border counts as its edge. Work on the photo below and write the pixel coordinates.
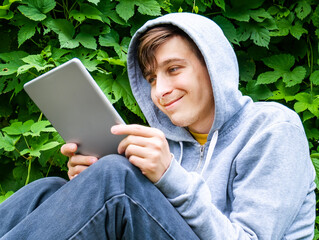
(47, 184)
(115, 169)
(114, 163)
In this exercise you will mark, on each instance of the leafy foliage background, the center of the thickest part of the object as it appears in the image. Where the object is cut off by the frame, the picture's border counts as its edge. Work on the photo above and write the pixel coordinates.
(276, 43)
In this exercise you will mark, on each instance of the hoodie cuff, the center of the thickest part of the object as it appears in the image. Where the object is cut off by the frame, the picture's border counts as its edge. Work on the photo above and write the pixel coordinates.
(175, 181)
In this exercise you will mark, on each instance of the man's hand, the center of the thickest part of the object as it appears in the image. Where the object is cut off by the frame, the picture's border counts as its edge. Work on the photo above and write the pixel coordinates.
(146, 148)
(76, 163)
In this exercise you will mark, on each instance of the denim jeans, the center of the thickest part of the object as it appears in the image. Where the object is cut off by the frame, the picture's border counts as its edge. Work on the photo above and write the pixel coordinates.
(109, 200)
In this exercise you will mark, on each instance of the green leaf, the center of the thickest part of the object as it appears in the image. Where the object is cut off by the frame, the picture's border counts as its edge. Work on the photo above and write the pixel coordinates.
(121, 88)
(268, 77)
(247, 66)
(283, 27)
(125, 8)
(65, 31)
(34, 61)
(26, 32)
(306, 115)
(35, 151)
(94, 1)
(260, 36)
(38, 127)
(307, 101)
(220, 3)
(282, 64)
(280, 61)
(6, 196)
(148, 7)
(297, 30)
(314, 77)
(5, 12)
(303, 9)
(87, 57)
(315, 17)
(18, 128)
(315, 162)
(105, 82)
(86, 12)
(260, 15)
(295, 76)
(247, 4)
(239, 14)
(107, 9)
(112, 40)
(87, 40)
(258, 92)
(283, 92)
(228, 29)
(36, 9)
(8, 142)
(20, 174)
(12, 62)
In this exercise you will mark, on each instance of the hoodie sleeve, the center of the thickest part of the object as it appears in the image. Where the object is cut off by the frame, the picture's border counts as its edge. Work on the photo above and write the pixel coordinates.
(270, 186)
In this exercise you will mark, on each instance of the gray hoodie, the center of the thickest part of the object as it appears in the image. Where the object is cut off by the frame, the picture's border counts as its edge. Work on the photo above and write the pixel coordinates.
(253, 179)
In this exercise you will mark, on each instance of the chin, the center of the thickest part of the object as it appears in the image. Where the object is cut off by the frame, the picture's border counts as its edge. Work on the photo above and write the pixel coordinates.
(180, 122)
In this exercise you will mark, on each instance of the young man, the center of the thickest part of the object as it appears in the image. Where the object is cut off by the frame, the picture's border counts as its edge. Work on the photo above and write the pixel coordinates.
(213, 164)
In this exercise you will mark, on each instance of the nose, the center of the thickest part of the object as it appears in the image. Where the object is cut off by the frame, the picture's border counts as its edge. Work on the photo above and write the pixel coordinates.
(163, 86)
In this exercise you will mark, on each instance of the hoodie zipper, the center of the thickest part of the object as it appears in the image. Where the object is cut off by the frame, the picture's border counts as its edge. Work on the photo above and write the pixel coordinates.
(201, 155)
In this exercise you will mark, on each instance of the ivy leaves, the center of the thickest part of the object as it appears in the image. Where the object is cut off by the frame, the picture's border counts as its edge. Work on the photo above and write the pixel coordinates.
(36, 9)
(281, 65)
(33, 147)
(125, 8)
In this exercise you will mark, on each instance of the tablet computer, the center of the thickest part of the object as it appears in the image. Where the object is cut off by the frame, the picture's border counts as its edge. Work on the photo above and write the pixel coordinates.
(77, 108)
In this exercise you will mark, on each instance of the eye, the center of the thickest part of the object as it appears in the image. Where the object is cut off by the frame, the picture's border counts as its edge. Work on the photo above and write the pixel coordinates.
(151, 80)
(173, 69)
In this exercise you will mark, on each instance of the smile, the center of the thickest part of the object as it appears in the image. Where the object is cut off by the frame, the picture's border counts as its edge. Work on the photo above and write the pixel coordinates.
(171, 103)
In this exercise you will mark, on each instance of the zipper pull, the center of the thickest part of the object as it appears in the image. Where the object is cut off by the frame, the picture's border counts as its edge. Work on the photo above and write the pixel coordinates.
(201, 155)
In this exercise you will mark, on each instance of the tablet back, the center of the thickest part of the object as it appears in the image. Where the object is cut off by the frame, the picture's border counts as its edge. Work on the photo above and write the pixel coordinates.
(77, 108)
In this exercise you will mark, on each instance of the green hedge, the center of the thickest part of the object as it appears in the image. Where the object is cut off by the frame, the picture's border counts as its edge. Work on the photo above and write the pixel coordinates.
(276, 43)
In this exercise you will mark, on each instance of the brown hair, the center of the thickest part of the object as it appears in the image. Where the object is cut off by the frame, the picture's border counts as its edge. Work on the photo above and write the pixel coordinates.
(154, 38)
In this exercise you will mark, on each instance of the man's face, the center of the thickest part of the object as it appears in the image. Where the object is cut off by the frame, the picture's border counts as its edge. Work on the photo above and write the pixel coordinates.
(181, 86)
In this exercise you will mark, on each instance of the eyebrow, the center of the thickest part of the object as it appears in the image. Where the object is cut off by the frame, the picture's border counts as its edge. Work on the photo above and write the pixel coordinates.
(168, 61)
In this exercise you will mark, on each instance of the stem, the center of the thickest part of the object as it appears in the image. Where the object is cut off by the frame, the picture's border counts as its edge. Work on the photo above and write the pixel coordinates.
(49, 169)
(40, 117)
(32, 73)
(38, 45)
(2, 191)
(26, 141)
(310, 61)
(29, 171)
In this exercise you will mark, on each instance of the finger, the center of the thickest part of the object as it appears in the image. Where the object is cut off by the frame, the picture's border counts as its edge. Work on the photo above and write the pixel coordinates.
(138, 162)
(135, 129)
(76, 170)
(131, 139)
(148, 169)
(81, 160)
(69, 149)
(138, 151)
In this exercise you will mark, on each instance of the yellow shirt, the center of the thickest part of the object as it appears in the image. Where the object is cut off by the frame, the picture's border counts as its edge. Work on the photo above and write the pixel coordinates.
(201, 138)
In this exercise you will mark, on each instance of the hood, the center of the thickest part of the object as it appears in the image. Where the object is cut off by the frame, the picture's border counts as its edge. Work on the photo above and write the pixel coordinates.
(221, 63)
